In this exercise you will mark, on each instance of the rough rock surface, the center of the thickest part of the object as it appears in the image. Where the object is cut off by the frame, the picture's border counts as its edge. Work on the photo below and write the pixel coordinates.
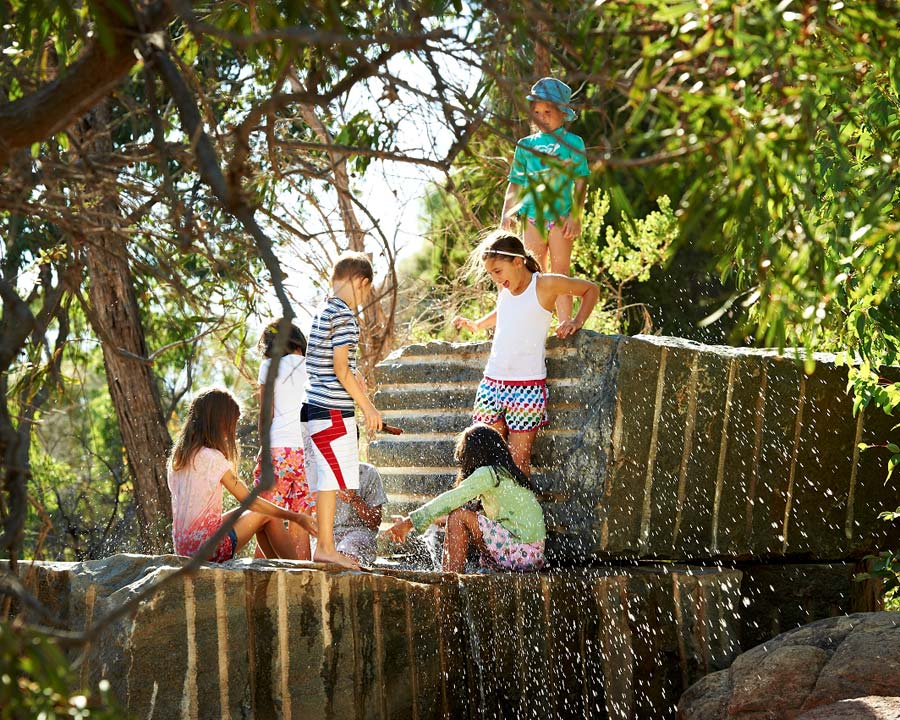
(810, 672)
(293, 640)
(662, 448)
(864, 708)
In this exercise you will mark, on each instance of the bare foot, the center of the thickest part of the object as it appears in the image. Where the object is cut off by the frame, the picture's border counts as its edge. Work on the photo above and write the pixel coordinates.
(335, 558)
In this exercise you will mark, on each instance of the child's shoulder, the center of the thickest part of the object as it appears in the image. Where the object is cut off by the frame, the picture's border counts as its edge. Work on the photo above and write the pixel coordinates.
(532, 139)
(210, 456)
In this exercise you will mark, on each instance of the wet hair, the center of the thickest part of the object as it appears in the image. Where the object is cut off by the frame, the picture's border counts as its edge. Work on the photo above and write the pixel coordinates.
(481, 445)
(504, 245)
(296, 340)
(211, 422)
(351, 265)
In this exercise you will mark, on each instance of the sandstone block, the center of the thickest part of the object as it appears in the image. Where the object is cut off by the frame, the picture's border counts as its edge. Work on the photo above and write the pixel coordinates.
(662, 448)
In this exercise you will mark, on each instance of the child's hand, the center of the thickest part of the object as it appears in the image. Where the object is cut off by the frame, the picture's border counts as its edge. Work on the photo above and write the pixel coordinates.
(399, 530)
(508, 223)
(571, 228)
(373, 418)
(567, 328)
(347, 495)
(308, 523)
(461, 322)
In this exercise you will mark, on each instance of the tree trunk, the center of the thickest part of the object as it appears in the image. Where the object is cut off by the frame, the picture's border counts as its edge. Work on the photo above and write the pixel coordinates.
(116, 319)
(377, 326)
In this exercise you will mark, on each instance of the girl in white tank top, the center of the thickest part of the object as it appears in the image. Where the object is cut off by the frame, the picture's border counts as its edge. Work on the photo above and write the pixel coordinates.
(512, 396)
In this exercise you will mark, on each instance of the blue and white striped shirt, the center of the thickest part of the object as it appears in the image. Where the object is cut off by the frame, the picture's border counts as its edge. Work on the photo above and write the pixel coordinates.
(334, 325)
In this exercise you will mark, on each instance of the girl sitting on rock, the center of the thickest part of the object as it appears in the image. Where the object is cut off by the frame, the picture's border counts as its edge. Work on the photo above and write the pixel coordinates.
(509, 531)
(201, 464)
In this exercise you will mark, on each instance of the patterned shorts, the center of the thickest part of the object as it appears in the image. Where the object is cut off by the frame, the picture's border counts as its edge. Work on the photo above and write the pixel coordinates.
(505, 551)
(359, 544)
(291, 490)
(522, 404)
(547, 225)
(226, 549)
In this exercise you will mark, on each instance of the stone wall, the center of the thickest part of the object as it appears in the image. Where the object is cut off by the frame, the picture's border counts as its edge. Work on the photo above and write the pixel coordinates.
(662, 448)
(294, 640)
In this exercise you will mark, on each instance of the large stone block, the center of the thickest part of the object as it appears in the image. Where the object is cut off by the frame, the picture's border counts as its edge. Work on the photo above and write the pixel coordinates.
(662, 448)
(281, 640)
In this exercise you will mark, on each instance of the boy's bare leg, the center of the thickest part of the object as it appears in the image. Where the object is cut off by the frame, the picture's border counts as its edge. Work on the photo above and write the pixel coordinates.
(326, 552)
(560, 263)
(536, 244)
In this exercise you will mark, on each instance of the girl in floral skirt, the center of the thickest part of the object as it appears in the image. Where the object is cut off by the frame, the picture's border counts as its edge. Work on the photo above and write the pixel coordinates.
(290, 489)
(508, 530)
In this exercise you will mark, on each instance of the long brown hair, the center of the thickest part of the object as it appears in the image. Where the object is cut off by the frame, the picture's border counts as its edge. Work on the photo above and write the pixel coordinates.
(211, 422)
(481, 445)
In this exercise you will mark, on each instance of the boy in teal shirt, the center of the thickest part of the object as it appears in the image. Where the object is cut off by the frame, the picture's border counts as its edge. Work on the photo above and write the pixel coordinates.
(547, 183)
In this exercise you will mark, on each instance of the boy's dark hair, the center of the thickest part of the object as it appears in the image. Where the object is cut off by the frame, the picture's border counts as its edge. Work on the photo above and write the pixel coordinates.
(296, 340)
(351, 265)
(481, 445)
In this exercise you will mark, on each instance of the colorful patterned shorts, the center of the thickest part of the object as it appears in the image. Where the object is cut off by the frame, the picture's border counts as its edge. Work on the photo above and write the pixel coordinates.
(547, 225)
(505, 551)
(291, 490)
(522, 404)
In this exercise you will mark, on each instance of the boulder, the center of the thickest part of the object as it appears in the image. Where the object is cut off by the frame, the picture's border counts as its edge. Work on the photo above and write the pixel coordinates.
(864, 708)
(812, 673)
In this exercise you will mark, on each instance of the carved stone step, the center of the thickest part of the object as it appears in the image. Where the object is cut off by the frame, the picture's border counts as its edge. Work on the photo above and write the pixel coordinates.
(672, 449)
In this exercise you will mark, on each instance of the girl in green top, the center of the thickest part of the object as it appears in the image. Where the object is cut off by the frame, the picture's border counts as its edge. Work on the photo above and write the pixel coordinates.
(548, 183)
(509, 531)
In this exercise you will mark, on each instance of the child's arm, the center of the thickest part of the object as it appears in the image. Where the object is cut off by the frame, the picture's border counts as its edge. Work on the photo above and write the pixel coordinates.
(351, 385)
(510, 206)
(259, 423)
(551, 286)
(488, 321)
(422, 517)
(261, 505)
(572, 226)
(400, 529)
(371, 516)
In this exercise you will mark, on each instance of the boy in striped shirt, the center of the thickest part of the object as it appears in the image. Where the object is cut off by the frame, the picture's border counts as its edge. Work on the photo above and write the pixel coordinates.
(328, 415)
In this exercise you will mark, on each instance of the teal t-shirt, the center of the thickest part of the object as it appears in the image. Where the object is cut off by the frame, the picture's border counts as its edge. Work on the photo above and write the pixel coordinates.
(503, 500)
(546, 165)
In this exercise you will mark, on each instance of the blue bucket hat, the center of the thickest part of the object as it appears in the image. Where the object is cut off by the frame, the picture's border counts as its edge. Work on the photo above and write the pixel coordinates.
(554, 91)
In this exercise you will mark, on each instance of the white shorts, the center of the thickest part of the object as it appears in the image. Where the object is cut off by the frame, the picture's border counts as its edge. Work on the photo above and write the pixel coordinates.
(331, 448)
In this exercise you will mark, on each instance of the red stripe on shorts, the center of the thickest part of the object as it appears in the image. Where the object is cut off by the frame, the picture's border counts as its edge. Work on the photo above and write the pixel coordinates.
(323, 440)
(519, 383)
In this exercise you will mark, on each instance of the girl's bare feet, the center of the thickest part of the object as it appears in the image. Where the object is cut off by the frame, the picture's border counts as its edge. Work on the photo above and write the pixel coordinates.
(335, 558)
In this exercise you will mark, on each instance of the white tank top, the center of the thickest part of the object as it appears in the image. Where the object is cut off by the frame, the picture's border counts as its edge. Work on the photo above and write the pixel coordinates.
(520, 337)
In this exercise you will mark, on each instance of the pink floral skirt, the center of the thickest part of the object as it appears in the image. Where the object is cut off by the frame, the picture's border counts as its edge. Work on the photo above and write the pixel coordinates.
(505, 551)
(291, 491)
